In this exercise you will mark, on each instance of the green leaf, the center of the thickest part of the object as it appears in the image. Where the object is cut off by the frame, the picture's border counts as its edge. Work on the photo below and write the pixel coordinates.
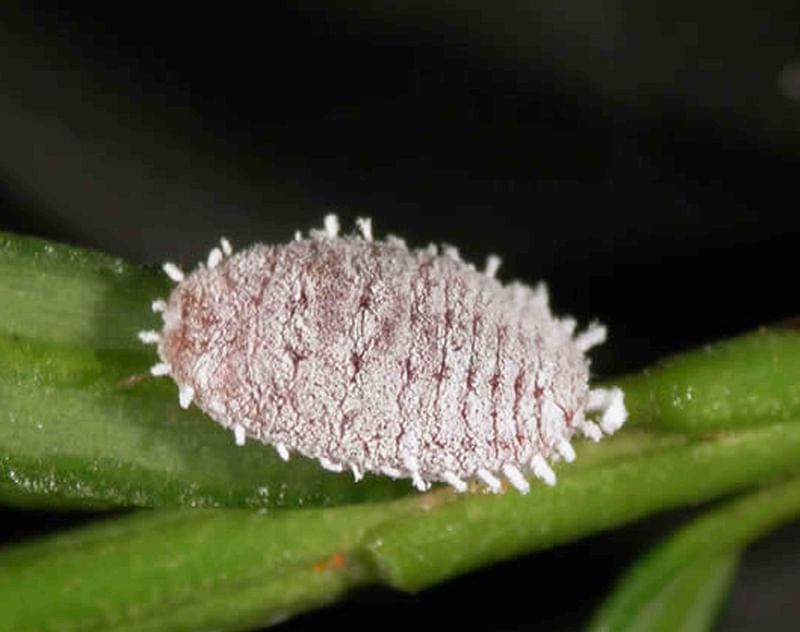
(57, 293)
(680, 584)
(689, 602)
(83, 424)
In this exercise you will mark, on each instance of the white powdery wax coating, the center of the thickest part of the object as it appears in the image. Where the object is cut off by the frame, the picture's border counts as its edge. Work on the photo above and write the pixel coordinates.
(369, 356)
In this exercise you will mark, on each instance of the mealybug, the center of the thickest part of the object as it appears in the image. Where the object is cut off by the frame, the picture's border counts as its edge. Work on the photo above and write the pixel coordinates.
(369, 356)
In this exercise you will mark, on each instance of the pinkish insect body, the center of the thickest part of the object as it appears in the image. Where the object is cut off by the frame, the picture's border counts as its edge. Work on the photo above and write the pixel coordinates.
(372, 357)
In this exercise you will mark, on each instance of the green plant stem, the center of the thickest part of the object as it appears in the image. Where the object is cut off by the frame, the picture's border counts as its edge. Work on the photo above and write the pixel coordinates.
(183, 570)
(230, 569)
(461, 536)
(750, 379)
(704, 549)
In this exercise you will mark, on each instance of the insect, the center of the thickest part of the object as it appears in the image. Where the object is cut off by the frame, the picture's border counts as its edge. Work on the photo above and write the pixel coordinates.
(370, 356)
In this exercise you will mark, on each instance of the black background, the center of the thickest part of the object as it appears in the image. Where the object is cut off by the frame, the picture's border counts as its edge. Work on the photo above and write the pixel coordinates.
(642, 157)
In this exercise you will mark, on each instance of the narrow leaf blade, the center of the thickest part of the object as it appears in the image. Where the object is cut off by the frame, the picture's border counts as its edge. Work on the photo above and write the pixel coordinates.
(680, 583)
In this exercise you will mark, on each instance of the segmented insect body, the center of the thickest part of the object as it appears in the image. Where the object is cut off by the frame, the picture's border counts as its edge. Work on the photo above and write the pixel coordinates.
(370, 356)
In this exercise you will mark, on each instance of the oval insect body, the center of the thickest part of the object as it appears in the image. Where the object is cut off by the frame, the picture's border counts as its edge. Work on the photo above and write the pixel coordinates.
(369, 356)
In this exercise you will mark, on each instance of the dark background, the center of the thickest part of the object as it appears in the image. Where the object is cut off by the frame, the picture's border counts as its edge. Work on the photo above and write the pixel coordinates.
(642, 157)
